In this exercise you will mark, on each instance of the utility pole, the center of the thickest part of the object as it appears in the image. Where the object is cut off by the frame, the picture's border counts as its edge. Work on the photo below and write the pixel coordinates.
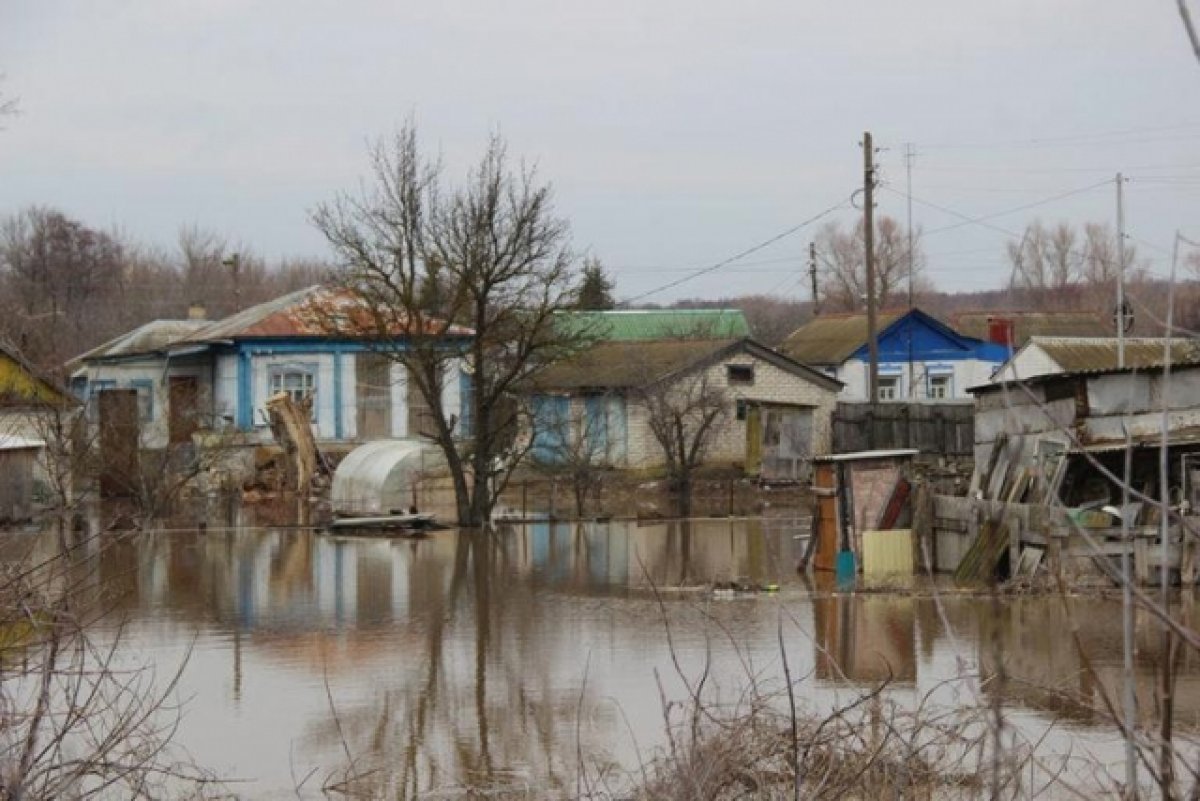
(908, 160)
(234, 263)
(909, 155)
(1119, 314)
(812, 276)
(869, 257)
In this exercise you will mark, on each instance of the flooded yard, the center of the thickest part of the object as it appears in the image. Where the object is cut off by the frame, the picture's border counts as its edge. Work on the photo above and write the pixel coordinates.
(506, 661)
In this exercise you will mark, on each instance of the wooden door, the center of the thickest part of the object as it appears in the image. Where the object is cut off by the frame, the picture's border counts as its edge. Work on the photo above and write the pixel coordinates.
(373, 387)
(118, 442)
(183, 408)
(786, 443)
(825, 526)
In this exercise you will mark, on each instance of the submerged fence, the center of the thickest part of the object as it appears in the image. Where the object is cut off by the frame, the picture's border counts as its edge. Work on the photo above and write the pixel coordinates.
(946, 427)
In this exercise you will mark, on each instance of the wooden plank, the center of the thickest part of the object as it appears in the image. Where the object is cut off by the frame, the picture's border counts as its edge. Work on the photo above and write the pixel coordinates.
(985, 553)
(825, 530)
(895, 504)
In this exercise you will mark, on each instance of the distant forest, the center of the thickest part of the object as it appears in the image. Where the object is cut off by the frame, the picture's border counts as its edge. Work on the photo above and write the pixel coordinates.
(66, 287)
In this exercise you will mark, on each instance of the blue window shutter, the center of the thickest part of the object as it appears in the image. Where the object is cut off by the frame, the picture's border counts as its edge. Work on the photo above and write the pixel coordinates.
(550, 417)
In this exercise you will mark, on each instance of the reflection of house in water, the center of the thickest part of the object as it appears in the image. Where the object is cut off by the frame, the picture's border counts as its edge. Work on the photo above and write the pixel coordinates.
(670, 554)
(1044, 669)
(284, 580)
(865, 639)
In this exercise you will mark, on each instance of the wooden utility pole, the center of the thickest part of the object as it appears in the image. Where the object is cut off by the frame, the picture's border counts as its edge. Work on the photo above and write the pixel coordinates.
(812, 276)
(908, 160)
(869, 257)
(1119, 314)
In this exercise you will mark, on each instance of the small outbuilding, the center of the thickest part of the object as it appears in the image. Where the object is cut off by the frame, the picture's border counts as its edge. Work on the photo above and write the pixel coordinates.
(18, 456)
(769, 413)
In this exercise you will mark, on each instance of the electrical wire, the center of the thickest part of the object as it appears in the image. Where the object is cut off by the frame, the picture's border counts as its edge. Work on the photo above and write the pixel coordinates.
(1122, 136)
(738, 256)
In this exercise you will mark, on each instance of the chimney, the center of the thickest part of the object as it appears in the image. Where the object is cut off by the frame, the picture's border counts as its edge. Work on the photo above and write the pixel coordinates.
(196, 311)
(1000, 331)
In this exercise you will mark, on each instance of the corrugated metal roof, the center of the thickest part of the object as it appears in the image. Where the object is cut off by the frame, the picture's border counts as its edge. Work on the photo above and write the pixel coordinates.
(316, 311)
(1088, 354)
(651, 324)
(12, 442)
(1027, 324)
(866, 456)
(831, 338)
(620, 365)
(153, 336)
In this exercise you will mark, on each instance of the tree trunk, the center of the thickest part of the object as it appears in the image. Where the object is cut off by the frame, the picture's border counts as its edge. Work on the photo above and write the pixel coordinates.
(685, 494)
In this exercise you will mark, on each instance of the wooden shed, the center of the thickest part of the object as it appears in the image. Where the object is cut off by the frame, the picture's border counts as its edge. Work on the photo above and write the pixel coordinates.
(18, 455)
(857, 493)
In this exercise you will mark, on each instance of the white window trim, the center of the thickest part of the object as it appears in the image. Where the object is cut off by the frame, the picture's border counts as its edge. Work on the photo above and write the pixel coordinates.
(311, 370)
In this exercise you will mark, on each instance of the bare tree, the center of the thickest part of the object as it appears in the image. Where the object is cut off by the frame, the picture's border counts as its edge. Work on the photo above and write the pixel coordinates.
(843, 279)
(61, 278)
(469, 278)
(684, 414)
(8, 105)
(80, 720)
(576, 447)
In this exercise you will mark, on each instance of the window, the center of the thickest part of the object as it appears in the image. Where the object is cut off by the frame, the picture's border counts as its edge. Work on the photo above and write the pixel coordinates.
(145, 398)
(298, 381)
(939, 387)
(740, 373)
(889, 387)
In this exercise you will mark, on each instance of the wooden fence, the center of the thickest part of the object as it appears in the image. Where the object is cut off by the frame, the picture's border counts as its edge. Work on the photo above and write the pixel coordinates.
(936, 428)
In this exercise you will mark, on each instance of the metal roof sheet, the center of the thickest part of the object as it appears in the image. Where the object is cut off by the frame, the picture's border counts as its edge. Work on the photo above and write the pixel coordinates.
(153, 336)
(316, 311)
(12, 442)
(1088, 354)
(650, 324)
(863, 456)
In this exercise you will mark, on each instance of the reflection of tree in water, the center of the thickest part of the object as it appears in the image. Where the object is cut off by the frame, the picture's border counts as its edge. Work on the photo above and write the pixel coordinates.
(474, 703)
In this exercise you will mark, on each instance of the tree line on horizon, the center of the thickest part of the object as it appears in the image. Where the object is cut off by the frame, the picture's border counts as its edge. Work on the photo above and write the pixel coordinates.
(66, 287)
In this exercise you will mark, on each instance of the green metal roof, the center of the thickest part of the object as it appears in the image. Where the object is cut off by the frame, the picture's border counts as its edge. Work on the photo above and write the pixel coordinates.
(638, 325)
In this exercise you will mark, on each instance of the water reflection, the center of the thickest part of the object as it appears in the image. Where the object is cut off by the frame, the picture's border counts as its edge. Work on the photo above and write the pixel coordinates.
(494, 660)
(865, 640)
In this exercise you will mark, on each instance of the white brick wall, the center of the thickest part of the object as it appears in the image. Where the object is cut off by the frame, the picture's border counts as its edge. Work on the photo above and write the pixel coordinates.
(771, 385)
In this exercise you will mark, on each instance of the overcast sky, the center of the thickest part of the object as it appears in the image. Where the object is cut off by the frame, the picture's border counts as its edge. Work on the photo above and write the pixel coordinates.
(675, 133)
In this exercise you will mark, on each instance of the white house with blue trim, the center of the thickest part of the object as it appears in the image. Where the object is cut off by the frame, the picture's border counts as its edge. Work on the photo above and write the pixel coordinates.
(920, 357)
(195, 374)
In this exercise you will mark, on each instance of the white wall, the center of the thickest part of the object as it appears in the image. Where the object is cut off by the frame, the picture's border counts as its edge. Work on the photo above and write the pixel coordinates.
(1027, 362)
(221, 398)
(965, 373)
(129, 375)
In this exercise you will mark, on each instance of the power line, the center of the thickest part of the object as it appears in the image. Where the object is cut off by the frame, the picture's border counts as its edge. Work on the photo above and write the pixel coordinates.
(736, 257)
(1121, 136)
(982, 220)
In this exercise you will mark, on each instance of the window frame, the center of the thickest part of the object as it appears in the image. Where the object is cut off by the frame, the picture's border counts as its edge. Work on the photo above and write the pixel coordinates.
(945, 380)
(276, 372)
(893, 386)
(740, 374)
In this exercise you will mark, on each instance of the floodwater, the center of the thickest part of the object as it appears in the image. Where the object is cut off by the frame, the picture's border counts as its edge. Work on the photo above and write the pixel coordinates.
(501, 661)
